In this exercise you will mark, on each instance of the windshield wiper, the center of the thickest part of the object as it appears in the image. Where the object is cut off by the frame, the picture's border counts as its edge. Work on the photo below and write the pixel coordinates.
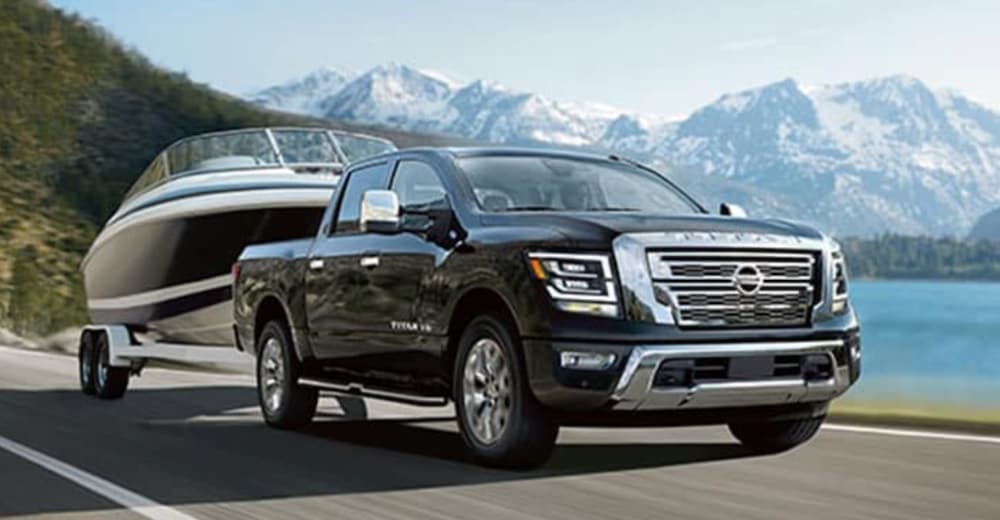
(613, 209)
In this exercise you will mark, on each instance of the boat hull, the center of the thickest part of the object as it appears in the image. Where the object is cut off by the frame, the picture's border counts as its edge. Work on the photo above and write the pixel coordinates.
(163, 270)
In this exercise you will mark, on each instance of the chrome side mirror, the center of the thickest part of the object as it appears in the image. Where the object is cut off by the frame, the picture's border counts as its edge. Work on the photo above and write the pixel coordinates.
(732, 210)
(379, 212)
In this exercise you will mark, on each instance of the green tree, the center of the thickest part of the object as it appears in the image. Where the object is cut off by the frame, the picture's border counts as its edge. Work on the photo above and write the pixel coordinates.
(27, 295)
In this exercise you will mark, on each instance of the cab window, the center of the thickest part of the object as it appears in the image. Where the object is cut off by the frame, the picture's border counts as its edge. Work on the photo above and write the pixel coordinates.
(417, 184)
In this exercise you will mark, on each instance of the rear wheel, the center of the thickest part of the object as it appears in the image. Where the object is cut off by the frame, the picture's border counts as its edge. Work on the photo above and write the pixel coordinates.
(500, 420)
(773, 437)
(85, 359)
(109, 382)
(284, 402)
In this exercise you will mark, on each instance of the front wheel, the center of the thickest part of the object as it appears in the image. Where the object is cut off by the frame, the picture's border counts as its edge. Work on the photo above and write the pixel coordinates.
(774, 437)
(500, 420)
(284, 402)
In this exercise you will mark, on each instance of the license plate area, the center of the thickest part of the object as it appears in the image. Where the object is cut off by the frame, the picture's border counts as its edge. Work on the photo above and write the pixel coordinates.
(687, 372)
(742, 368)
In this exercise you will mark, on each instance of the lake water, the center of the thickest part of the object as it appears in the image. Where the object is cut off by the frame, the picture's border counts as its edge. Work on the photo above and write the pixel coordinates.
(929, 343)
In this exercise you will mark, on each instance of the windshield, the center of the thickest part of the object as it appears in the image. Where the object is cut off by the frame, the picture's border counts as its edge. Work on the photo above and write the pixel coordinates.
(537, 183)
(251, 149)
(231, 150)
(356, 147)
(304, 146)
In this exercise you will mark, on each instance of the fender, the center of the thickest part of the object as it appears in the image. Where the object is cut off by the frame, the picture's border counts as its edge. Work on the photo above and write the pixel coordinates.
(299, 332)
(497, 288)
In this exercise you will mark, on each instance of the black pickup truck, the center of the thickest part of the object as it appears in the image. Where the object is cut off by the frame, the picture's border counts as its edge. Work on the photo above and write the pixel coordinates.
(543, 288)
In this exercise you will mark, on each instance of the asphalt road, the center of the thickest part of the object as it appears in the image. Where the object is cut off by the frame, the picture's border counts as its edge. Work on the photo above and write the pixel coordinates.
(183, 443)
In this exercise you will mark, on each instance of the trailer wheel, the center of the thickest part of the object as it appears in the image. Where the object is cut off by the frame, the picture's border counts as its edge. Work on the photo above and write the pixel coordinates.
(85, 358)
(284, 403)
(110, 382)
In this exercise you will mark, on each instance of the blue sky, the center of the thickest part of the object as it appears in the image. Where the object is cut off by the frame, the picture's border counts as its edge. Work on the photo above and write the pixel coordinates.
(656, 56)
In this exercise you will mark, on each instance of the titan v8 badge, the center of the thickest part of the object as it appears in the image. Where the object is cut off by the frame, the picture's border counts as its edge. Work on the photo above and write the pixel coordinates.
(410, 326)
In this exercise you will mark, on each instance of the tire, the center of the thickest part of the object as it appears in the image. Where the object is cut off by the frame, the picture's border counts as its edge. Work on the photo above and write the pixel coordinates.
(519, 435)
(86, 363)
(774, 437)
(284, 403)
(110, 382)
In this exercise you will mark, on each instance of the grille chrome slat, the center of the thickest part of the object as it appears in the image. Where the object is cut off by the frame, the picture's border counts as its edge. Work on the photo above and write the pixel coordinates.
(725, 289)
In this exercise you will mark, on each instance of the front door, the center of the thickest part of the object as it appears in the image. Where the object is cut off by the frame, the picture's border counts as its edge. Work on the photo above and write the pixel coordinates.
(339, 303)
(408, 262)
(364, 288)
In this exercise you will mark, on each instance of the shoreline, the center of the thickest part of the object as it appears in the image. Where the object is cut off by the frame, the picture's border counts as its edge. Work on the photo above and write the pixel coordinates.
(940, 424)
(929, 280)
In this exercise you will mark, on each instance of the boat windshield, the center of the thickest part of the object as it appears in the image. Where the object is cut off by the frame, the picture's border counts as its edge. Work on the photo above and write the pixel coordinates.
(356, 146)
(252, 148)
(306, 147)
(304, 150)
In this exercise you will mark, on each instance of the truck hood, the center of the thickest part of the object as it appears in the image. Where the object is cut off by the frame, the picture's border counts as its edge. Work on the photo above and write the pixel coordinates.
(598, 229)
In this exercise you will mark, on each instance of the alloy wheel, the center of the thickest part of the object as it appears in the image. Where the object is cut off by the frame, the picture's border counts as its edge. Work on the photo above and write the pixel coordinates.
(487, 394)
(272, 374)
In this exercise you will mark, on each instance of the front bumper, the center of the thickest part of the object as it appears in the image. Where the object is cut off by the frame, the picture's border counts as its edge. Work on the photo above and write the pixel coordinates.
(635, 389)
(632, 384)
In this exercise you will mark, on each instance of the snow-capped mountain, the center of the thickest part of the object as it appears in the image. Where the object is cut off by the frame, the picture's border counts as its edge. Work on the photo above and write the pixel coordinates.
(390, 95)
(419, 100)
(887, 154)
(305, 95)
(865, 157)
(490, 112)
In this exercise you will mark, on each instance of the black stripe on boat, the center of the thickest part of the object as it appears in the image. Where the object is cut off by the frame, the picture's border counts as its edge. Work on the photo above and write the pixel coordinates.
(142, 314)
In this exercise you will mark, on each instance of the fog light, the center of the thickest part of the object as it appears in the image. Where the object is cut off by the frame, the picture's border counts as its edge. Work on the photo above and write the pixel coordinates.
(675, 372)
(839, 306)
(587, 360)
(597, 309)
(817, 367)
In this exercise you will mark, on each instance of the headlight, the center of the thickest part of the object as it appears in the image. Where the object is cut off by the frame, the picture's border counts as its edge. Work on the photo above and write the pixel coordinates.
(838, 279)
(581, 283)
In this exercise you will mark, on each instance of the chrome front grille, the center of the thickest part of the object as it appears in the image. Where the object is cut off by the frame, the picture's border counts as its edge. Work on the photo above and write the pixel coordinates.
(736, 288)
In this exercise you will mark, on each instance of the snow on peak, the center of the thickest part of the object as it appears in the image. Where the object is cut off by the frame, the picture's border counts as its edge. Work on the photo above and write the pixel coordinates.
(303, 95)
(440, 76)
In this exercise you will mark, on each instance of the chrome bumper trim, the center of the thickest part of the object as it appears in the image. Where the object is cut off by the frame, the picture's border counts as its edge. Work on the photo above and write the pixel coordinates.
(635, 391)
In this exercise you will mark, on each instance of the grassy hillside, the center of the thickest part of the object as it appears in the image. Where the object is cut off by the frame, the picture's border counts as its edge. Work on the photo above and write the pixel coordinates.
(80, 116)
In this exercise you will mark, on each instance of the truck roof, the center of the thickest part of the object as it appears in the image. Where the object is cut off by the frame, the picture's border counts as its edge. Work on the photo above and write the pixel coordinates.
(481, 151)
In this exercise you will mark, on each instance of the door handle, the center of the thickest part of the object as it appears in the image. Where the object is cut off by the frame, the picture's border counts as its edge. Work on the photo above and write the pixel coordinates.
(316, 264)
(370, 262)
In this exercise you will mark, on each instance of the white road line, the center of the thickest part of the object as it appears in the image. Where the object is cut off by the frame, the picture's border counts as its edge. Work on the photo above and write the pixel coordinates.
(134, 502)
(922, 434)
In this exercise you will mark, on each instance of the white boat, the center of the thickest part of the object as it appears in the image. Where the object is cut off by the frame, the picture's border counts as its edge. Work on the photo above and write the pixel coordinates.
(161, 264)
